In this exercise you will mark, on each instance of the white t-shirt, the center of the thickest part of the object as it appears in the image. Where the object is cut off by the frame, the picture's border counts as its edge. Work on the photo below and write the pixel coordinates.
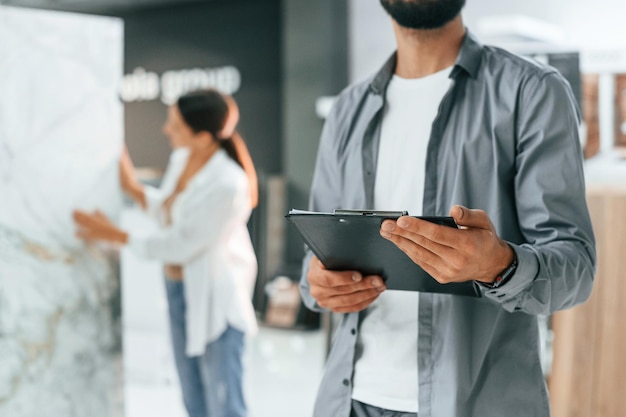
(385, 373)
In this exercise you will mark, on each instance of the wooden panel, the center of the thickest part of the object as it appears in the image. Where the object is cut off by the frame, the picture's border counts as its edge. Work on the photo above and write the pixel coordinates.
(589, 363)
(574, 348)
(591, 113)
(609, 388)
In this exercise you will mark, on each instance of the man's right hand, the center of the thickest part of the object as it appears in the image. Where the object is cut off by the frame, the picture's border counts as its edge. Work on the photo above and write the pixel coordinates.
(342, 291)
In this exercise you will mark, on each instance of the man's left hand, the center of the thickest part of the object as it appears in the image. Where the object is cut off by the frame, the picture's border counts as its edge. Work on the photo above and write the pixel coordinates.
(472, 252)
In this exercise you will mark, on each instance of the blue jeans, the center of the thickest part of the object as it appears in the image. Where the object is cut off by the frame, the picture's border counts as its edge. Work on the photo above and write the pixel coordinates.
(212, 384)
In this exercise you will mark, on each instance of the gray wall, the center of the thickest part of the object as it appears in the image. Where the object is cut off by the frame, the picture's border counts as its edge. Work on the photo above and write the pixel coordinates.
(314, 64)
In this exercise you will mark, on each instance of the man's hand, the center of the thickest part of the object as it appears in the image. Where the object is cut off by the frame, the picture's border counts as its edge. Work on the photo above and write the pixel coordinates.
(342, 291)
(473, 252)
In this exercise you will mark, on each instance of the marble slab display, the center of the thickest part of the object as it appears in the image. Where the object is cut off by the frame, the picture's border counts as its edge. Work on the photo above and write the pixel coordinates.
(61, 133)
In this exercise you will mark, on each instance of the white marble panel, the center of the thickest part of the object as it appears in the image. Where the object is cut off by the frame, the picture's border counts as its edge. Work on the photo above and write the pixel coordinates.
(61, 132)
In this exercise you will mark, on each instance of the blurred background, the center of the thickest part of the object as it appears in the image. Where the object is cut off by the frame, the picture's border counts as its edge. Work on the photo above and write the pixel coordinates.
(78, 78)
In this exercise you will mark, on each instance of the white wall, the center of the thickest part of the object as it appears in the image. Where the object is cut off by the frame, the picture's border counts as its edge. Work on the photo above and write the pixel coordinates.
(588, 25)
(370, 38)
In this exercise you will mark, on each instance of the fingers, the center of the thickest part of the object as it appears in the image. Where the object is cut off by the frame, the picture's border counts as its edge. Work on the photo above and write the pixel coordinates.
(89, 219)
(320, 276)
(86, 224)
(90, 226)
(421, 250)
(342, 291)
(101, 216)
(354, 308)
(471, 217)
(326, 282)
(436, 238)
(84, 234)
(420, 238)
(83, 218)
(369, 283)
(414, 228)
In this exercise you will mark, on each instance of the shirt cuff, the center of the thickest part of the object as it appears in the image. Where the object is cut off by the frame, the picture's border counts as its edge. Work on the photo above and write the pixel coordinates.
(153, 199)
(525, 274)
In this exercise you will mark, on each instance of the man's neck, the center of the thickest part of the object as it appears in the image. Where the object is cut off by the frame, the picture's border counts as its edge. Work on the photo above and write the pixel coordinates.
(424, 52)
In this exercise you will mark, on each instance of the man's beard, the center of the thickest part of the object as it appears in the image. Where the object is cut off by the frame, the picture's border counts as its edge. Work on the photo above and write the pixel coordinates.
(423, 14)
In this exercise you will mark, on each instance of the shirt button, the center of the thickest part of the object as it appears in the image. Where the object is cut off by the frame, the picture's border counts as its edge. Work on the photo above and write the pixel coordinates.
(353, 331)
(346, 382)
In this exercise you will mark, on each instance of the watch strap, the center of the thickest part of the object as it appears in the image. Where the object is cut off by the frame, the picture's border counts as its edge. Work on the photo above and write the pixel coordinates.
(503, 276)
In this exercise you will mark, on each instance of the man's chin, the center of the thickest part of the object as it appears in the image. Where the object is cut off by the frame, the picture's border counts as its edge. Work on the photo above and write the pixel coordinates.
(423, 15)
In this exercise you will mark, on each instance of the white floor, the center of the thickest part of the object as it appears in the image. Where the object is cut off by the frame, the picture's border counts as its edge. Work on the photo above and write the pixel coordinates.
(282, 367)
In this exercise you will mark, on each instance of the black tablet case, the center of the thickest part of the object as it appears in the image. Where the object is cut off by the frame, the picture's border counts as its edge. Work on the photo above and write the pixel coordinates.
(353, 242)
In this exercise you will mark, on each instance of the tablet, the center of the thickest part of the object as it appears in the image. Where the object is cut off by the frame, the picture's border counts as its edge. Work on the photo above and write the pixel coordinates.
(351, 240)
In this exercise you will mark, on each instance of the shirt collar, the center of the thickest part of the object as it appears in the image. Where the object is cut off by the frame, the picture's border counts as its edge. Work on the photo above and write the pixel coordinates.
(468, 60)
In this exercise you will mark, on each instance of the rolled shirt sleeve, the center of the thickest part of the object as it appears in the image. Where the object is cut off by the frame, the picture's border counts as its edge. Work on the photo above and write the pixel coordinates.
(556, 266)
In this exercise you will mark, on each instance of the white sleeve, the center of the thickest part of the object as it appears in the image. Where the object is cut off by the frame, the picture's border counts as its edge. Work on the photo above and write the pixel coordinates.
(204, 219)
(154, 200)
(156, 196)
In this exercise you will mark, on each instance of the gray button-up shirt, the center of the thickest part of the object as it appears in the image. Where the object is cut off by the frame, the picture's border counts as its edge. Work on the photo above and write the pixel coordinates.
(505, 141)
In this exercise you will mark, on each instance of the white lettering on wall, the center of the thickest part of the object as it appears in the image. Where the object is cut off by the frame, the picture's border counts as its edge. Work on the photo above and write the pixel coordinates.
(141, 85)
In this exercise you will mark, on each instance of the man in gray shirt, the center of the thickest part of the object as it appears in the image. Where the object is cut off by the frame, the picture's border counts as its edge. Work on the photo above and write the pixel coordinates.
(502, 156)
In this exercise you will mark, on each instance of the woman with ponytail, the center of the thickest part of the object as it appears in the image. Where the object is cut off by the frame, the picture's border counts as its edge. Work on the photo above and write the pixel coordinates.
(203, 206)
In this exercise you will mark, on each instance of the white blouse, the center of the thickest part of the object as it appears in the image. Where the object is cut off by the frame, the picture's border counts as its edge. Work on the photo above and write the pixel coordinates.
(209, 238)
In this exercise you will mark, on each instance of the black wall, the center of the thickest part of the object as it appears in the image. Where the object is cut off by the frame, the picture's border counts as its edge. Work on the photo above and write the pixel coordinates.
(242, 33)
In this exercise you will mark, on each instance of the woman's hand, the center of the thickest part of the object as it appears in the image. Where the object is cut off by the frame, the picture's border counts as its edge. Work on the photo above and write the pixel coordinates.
(96, 226)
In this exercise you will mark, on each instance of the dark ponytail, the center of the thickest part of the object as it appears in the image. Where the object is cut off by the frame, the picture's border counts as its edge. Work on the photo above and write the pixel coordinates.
(228, 145)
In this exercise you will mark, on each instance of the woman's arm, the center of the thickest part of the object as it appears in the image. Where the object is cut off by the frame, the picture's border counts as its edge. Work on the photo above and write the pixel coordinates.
(205, 220)
(129, 181)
